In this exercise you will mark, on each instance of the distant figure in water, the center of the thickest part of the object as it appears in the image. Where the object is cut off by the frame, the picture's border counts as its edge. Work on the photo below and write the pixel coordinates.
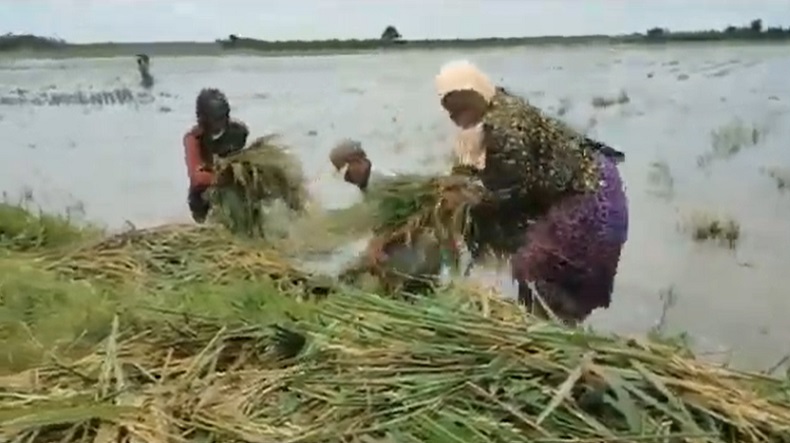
(215, 134)
(144, 66)
(558, 205)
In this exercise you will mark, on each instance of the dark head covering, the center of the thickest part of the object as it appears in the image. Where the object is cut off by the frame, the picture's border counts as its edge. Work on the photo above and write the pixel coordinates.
(211, 105)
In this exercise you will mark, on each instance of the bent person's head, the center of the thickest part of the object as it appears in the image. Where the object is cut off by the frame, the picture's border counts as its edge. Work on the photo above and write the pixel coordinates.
(349, 158)
(213, 111)
(465, 92)
(143, 61)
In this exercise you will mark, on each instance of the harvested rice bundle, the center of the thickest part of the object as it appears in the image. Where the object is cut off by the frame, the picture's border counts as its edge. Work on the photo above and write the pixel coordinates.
(437, 203)
(365, 368)
(397, 267)
(414, 220)
(176, 254)
(417, 218)
(251, 179)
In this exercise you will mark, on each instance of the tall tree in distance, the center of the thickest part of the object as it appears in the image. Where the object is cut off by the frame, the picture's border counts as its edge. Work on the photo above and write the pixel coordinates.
(391, 34)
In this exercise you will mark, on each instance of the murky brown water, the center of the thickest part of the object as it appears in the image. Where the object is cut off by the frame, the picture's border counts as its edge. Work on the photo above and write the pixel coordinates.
(124, 162)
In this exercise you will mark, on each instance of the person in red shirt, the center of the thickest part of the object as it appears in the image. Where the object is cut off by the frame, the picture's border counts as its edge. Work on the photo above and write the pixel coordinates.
(215, 134)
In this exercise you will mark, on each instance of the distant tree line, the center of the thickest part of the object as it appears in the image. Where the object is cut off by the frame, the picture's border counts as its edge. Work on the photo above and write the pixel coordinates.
(392, 38)
(17, 42)
(754, 31)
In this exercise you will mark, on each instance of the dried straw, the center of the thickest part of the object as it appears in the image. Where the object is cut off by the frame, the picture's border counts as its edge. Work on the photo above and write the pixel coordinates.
(175, 254)
(366, 369)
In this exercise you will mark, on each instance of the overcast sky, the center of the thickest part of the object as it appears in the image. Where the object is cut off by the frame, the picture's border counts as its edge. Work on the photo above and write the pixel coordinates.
(146, 20)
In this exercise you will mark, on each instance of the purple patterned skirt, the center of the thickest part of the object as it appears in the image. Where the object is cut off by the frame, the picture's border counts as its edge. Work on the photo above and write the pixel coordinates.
(571, 253)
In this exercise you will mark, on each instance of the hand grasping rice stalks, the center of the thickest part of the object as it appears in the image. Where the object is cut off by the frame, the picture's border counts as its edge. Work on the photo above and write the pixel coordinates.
(247, 181)
(176, 254)
(369, 369)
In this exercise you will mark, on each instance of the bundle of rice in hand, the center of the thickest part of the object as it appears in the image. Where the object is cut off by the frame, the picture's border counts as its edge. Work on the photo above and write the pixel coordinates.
(417, 218)
(246, 182)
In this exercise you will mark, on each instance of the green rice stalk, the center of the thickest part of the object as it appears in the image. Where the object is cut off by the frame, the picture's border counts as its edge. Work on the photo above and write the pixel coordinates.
(25, 230)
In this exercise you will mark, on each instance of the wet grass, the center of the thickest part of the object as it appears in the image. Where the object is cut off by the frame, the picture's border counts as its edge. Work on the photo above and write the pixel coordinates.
(23, 228)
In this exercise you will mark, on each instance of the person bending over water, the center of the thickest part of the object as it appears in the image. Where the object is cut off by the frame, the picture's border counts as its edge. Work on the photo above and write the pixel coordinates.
(558, 200)
(422, 260)
(215, 134)
(144, 66)
(352, 161)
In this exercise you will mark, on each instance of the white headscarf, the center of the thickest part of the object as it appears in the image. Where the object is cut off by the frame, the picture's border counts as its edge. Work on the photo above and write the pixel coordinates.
(465, 76)
(462, 75)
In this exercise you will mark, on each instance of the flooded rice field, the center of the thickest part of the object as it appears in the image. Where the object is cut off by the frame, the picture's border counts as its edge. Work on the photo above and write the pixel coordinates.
(706, 130)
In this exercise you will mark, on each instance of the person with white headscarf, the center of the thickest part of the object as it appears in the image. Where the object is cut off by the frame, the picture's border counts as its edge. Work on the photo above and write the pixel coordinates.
(561, 213)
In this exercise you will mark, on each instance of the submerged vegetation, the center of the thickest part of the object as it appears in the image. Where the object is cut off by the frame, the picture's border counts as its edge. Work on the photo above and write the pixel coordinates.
(707, 227)
(605, 102)
(780, 176)
(390, 39)
(730, 139)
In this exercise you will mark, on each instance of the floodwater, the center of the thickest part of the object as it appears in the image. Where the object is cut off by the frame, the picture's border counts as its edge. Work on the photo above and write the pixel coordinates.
(118, 162)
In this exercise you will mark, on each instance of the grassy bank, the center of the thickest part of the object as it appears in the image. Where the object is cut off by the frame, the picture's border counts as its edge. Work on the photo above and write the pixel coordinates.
(23, 46)
(184, 333)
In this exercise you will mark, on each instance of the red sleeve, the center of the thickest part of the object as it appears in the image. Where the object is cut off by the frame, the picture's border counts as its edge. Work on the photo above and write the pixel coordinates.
(194, 162)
